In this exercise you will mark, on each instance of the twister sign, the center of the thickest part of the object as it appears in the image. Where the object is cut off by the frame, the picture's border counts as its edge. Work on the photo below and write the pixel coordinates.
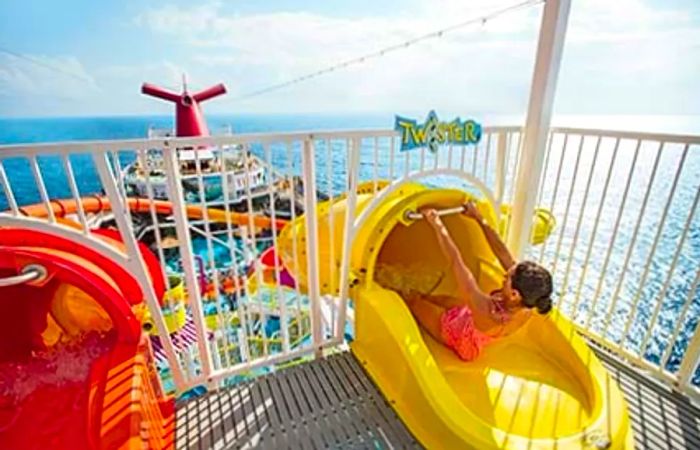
(433, 132)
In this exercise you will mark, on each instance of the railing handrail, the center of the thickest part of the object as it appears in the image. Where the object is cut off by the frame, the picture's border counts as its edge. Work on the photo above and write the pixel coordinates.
(640, 135)
(34, 149)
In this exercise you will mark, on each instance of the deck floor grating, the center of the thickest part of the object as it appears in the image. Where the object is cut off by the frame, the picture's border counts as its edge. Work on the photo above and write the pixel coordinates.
(323, 404)
(661, 418)
(332, 404)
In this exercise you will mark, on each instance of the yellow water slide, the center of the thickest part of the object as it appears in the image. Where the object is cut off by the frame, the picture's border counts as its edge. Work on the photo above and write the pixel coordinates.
(540, 388)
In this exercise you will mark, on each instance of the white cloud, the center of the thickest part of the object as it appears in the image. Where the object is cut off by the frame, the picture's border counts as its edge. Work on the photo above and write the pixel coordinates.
(630, 56)
(611, 47)
(257, 50)
(45, 85)
(40, 75)
(627, 56)
(173, 19)
(123, 82)
(37, 84)
(165, 73)
(609, 21)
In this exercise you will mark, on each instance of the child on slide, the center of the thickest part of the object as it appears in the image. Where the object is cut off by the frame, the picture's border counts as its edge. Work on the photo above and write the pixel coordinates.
(471, 320)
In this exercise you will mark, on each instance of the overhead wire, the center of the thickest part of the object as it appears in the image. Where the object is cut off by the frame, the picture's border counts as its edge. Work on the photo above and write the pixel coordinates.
(338, 66)
(389, 49)
(41, 63)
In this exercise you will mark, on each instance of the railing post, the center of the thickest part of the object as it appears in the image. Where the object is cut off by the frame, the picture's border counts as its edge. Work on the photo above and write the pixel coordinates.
(136, 264)
(690, 361)
(544, 81)
(691, 358)
(348, 235)
(175, 194)
(500, 166)
(312, 255)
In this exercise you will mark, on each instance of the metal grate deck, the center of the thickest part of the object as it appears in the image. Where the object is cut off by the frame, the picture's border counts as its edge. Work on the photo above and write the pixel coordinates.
(661, 419)
(332, 404)
(328, 403)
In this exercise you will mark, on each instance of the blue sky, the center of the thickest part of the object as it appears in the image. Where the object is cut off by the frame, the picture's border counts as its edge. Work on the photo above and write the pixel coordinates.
(621, 57)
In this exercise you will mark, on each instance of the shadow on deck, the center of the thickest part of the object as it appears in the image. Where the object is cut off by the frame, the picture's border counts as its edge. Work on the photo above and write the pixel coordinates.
(661, 418)
(332, 404)
(328, 403)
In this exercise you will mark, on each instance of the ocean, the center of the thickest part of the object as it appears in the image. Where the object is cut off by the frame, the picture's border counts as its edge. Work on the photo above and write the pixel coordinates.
(645, 269)
(62, 129)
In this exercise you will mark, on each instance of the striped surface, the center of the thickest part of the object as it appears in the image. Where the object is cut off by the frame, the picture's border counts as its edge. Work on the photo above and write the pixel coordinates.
(332, 404)
(661, 419)
(186, 337)
(323, 404)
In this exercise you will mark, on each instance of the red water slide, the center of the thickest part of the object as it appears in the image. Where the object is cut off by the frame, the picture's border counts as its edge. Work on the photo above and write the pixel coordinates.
(75, 368)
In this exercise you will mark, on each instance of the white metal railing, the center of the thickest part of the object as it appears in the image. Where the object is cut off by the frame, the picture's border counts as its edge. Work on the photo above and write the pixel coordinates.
(624, 254)
(312, 163)
(161, 133)
(19, 157)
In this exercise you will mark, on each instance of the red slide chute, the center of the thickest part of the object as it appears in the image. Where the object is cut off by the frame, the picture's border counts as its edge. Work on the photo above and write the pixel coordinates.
(75, 368)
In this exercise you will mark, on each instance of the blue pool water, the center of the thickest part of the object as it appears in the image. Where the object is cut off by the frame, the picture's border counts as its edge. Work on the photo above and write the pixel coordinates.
(649, 286)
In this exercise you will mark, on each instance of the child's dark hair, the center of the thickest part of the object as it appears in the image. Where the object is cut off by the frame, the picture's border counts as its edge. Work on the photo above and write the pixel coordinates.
(534, 283)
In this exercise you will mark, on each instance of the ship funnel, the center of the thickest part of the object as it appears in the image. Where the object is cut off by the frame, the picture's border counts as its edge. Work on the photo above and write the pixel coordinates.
(189, 120)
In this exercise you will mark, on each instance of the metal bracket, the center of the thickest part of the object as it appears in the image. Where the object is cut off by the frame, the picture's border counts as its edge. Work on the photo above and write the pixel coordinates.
(29, 273)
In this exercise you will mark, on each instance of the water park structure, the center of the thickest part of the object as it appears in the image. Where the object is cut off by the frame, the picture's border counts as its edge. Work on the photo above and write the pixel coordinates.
(250, 290)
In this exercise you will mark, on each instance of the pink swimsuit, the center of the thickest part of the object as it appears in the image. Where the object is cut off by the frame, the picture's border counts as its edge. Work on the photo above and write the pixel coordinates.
(460, 333)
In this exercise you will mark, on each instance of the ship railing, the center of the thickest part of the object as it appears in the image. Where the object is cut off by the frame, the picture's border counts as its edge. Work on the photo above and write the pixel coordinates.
(624, 252)
(625, 255)
(161, 133)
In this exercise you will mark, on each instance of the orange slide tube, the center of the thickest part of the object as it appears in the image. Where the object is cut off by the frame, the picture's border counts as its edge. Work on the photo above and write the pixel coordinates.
(95, 204)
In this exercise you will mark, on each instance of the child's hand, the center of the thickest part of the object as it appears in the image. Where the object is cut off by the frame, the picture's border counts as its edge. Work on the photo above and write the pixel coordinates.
(470, 210)
(430, 215)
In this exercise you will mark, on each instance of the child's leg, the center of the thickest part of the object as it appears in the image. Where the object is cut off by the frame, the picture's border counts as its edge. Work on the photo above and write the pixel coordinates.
(428, 315)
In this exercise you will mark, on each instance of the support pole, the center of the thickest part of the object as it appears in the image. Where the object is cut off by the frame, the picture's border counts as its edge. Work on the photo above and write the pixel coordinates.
(311, 221)
(500, 167)
(539, 115)
(348, 235)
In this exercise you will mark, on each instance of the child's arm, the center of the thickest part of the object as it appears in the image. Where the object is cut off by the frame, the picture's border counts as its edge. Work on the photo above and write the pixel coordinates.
(498, 247)
(466, 283)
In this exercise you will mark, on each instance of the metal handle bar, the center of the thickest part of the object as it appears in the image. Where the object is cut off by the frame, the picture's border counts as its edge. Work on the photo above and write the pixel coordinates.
(31, 272)
(413, 215)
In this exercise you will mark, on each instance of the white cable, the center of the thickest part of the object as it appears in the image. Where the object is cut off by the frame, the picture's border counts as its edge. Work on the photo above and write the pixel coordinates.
(40, 63)
(392, 48)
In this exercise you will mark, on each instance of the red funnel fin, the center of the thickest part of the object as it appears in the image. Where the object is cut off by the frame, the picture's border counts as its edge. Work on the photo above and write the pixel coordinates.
(189, 120)
(212, 92)
(155, 91)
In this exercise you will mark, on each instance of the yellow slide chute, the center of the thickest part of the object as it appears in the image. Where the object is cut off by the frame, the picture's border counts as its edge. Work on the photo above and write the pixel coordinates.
(540, 388)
